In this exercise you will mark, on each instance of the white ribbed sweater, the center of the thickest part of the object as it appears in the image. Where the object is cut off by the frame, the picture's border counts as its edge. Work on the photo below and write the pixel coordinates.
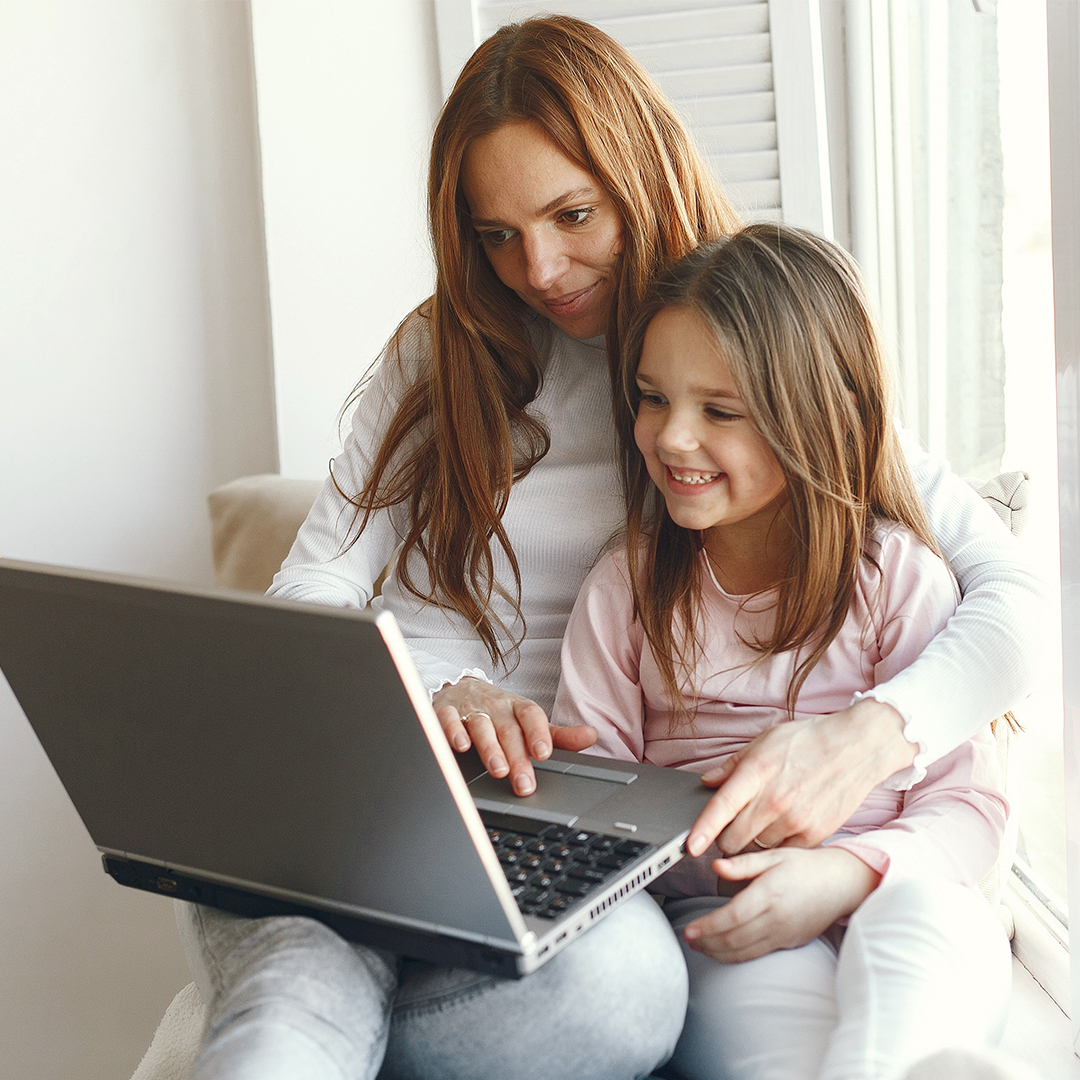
(563, 514)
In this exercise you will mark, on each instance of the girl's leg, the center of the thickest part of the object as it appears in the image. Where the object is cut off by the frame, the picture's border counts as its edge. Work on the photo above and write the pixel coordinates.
(923, 965)
(766, 1019)
(287, 998)
(609, 1007)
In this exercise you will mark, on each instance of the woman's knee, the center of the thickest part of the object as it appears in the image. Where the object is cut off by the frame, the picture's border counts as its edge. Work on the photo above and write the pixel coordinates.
(291, 961)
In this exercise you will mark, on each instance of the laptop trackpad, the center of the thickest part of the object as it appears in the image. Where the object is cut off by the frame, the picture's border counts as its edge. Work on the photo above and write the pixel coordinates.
(561, 792)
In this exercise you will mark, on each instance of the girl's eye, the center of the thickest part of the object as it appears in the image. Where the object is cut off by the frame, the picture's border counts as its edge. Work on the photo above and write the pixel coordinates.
(715, 413)
(578, 216)
(651, 399)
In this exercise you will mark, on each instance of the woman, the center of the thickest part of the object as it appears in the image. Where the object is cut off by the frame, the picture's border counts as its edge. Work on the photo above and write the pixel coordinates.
(482, 460)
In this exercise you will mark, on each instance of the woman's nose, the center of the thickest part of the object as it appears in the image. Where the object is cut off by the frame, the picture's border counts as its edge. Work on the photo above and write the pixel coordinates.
(544, 260)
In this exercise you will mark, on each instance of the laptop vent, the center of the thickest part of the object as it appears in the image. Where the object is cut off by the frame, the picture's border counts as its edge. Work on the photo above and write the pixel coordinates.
(630, 886)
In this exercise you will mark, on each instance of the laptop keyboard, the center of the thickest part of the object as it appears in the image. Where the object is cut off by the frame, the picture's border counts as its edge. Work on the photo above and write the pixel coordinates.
(550, 867)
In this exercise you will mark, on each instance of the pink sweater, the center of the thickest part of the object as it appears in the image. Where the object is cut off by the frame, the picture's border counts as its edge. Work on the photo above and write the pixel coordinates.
(950, 824)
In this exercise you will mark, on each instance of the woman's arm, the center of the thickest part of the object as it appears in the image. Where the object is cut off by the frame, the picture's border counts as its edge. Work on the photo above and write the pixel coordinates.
(799, 782)
(321, 567)
(988, 656)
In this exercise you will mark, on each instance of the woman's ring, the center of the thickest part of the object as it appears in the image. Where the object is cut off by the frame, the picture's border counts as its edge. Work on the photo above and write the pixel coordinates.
(468, 716)
(760, 846)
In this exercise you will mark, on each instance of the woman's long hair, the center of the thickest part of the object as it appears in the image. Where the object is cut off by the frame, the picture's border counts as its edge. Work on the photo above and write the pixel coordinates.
(792, 321)
(461, 437)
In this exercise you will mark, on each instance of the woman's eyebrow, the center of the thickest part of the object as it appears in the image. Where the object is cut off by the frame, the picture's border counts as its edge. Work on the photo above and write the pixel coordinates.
(588, 193)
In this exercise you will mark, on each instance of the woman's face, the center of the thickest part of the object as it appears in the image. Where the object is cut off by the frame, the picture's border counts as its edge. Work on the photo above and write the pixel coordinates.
(548, 229)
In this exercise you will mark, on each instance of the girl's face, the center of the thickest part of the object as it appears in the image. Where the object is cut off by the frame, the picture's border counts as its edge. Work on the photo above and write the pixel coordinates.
(711, 463)
(546, 226)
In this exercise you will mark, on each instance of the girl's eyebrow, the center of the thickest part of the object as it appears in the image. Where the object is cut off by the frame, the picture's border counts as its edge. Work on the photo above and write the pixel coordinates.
(702, 391)
(587, 193)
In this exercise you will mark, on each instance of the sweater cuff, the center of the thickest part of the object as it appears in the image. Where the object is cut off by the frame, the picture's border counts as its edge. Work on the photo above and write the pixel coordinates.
(467, 673)
(916, 771)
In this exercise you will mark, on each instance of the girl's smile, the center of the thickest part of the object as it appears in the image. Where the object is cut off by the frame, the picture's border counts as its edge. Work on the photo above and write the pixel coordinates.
(716, 471)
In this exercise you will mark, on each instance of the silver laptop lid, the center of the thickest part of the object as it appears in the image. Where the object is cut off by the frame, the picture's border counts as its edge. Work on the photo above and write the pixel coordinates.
(254, 740)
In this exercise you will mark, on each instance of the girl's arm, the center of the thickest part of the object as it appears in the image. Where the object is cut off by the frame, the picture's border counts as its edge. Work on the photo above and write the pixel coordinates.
(601, 652)
(799, 782)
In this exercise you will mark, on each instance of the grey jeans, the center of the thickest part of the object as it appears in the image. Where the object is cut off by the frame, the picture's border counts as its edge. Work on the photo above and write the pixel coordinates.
(288, 999)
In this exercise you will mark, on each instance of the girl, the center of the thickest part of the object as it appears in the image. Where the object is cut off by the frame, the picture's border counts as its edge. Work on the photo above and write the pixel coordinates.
(778, 562)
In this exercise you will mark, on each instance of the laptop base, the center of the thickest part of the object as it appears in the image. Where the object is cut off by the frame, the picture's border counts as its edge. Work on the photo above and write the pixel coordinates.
(443, 950)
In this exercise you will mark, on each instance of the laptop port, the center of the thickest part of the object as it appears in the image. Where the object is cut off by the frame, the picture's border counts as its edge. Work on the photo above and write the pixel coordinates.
(166, 884)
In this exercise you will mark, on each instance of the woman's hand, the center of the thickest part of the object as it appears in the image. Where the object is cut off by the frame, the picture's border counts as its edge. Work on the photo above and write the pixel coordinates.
(505, 729)
(798, 782)
(794, 896)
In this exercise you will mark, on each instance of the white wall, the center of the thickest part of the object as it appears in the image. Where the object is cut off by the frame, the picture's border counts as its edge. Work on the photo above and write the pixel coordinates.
(134, 376)
(347, 93)
(134, 354)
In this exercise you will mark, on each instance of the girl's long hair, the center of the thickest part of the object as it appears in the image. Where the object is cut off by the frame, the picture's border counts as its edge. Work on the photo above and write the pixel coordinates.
(461, 436)
(792, 321)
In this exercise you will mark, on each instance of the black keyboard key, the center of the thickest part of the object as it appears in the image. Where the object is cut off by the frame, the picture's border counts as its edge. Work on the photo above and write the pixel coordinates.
(604, 843)
(614, 861)
(555, 833)
(539, 846)
(570, 887)
(510, 858)
(512, 823)
(534, 897)
(556, 866)
(581, 837)
(533, 862)
(631, 847)
(560, 851)
(587, 873)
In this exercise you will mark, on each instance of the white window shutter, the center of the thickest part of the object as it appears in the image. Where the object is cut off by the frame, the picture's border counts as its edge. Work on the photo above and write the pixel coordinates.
(747, 78)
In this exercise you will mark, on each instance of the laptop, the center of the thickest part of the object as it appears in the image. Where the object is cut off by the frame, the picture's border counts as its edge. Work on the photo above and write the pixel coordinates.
(271, 757)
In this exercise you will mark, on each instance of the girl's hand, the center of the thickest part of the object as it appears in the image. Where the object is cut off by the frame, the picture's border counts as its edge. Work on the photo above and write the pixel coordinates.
(505, 729)
(795, 895)
(798, 782)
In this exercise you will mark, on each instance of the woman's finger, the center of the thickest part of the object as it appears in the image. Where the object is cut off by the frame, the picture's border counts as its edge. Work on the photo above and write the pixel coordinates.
(573, 738)
(453, 728)
(729, 801)
(536, 731)
(512, 742)
(482, 732)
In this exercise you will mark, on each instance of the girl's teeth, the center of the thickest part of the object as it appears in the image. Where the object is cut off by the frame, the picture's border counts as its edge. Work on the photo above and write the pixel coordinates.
(706, 479)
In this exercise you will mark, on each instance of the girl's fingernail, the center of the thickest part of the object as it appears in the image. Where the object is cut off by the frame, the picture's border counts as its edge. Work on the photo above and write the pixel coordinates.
(691, 934)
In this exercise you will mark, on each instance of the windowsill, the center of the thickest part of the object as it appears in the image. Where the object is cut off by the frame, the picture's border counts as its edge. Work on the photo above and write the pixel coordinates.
(1040, 942)
(1038, 1032)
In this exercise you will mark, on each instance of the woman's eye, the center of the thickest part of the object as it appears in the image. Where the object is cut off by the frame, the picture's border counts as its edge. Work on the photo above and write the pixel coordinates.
(578, 216)
(495, 237)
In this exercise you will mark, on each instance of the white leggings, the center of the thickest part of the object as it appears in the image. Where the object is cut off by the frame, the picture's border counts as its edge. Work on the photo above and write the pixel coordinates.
(923, 965)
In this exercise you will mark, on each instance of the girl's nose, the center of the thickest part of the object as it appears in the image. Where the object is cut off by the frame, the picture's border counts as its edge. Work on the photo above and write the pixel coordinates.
(544, 260)
(676, 434)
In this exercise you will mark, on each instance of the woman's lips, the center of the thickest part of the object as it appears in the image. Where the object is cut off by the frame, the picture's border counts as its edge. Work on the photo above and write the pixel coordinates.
(566, 307)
